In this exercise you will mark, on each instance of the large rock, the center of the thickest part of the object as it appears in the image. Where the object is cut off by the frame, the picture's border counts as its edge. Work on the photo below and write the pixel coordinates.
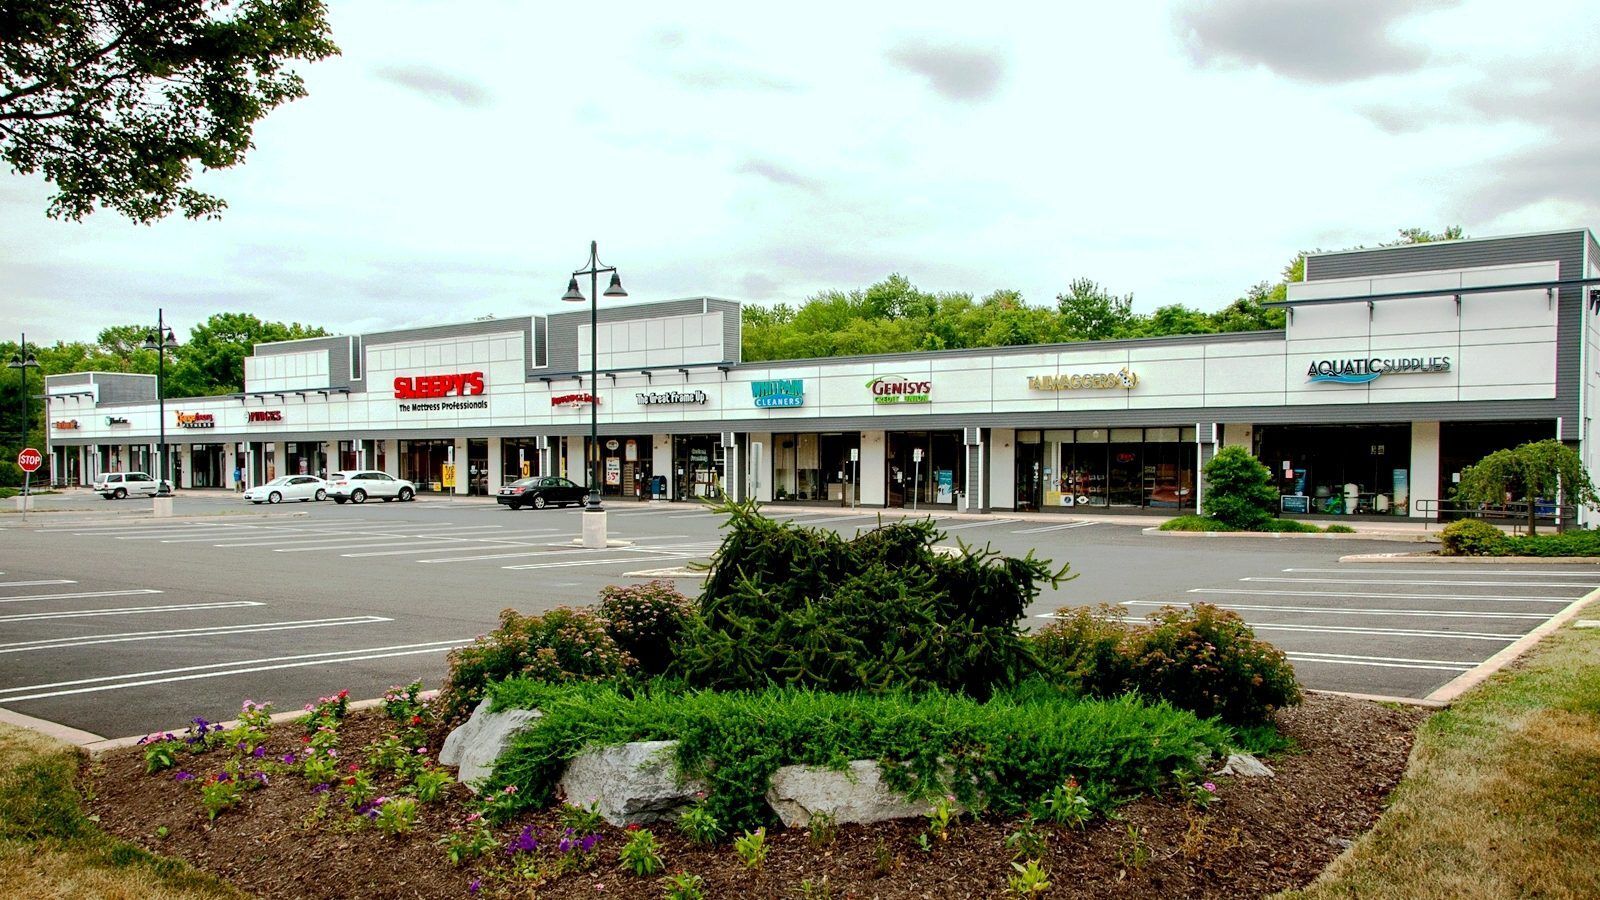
(856, 794)
(477, 744)
(1243, 765)
(633, 784)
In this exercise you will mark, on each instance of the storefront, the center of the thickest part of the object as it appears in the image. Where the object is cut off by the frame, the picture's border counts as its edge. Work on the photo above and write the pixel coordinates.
(1106, 467)
(306, 458)
(208, 465)
(429, 464)
(1340, 469)
(625, 466)
(696, 466)
(816, 467)
(924, 468)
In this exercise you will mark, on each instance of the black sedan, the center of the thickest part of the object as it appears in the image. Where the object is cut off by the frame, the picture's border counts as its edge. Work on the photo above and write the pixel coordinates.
(540, 492)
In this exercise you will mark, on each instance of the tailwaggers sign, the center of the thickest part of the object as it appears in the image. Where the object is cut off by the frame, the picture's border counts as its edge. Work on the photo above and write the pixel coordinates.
(1366, 371)
(1126, 379)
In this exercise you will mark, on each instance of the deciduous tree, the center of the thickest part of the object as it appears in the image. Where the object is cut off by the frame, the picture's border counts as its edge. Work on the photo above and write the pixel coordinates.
(1535, 471)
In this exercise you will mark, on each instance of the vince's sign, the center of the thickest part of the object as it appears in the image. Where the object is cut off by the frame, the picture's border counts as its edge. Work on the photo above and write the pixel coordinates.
(264, 415)
(1366, 371)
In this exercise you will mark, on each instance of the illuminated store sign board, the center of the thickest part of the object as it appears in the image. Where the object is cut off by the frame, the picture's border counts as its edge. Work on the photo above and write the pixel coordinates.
(264, 415)
(424, 387)
(1366, 371)
(583, 399)
(899, 389)
(65, 425)
(196, 420)
(1126, 379)
(670, 398)
(779, 393)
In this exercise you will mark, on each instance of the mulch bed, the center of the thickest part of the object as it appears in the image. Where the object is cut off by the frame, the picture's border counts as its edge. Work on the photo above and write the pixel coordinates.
(1262, 836)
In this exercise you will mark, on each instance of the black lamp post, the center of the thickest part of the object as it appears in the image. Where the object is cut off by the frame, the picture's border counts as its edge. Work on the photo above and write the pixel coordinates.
(574, 295)
(22, 361)
(161, 340)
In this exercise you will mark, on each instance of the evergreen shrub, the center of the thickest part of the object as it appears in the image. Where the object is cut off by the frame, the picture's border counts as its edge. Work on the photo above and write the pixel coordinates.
(1200, 658)
(1471, 537)
(885, 610)
(1002, 755)
(1584, 542)
(1238, 490)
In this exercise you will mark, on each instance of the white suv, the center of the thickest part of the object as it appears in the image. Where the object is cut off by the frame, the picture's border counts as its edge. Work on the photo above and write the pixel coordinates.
(356, 486)
(120, 485)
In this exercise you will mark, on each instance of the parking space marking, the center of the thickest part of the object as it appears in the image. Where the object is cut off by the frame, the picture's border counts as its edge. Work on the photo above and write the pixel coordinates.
(129, 610)
(981, 524)
(1384, 662)
(219, 670)
(79, 595)
(1342, 611)
(176, 633)
(1385, 570)
(327, 537)
(499, 538)
(1424, 582)
(1371, 595)
(837, 518)
(1048, 528)
(11, 584)
(597, 562)
(1386, 632)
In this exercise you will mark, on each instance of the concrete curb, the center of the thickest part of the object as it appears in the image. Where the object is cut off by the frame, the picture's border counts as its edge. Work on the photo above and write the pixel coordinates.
(64, 733)
(1422, 702)
(1472, 678)
(1471, 560)
(1404, 537)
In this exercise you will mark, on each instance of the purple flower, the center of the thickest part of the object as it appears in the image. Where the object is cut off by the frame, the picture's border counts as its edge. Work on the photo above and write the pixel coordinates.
(224, 776)
(588, 842)
(566, 845)
(472, 886)
(182, 776)
(259, 752)
(322, 788)
(287, 759)
(262, 777)
(1209, 786)
(524, 842)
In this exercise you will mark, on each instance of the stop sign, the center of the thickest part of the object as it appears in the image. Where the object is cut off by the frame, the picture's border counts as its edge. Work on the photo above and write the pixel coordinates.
(30, 460)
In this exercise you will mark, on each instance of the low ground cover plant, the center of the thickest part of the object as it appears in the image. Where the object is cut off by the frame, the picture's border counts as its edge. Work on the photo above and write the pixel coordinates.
(1474, 537)
(1004, 754)
(1200, 658)
(1293, 526)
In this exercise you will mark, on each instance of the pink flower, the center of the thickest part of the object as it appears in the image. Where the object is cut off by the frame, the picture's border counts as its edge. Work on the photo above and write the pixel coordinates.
(510, 789)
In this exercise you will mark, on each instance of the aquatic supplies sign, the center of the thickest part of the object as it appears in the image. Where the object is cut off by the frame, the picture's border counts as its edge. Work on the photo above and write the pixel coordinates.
(899, 389)
(1366, 371)
(671, 398)
(779, 393)
(1125, 379)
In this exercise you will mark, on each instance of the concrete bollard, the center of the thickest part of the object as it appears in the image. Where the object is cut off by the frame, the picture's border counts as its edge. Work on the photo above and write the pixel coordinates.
(163, 507)
(594, 529)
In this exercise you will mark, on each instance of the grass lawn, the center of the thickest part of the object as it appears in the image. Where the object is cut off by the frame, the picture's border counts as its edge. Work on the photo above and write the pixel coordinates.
(49, 848)
(1502, 796)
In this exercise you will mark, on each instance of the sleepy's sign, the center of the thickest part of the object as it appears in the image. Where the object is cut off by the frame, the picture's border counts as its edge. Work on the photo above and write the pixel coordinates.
(422, 387)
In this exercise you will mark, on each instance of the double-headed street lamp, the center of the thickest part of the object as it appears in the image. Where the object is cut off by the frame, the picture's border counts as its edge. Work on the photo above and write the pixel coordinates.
(22, 361)
(574, 295)
(161, 340)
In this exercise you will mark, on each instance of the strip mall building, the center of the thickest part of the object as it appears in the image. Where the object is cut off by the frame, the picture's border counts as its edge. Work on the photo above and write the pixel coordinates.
(1397, 367)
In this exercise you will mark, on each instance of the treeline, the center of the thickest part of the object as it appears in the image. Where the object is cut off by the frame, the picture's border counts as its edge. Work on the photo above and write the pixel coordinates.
(894, 316)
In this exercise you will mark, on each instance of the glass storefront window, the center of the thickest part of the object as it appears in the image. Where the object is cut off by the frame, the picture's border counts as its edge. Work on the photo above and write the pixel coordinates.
(696, 465)
(1099, 467)
(519, 458)
(206, 463)
(815, 466)
(1342, 469)
(934, 480)
(626, 466)
(422, 463)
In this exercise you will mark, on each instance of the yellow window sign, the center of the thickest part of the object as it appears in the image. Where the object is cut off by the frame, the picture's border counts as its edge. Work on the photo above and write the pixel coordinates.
(447, 475)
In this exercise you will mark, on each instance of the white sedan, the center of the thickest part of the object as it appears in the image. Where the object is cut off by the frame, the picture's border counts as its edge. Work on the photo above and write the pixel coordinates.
(289, 487)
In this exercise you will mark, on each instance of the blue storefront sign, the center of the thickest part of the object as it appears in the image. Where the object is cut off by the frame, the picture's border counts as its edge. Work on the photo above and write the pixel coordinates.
(779, 392)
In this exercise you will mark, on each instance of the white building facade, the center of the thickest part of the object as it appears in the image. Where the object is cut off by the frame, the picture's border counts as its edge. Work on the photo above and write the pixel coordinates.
(1397, 368)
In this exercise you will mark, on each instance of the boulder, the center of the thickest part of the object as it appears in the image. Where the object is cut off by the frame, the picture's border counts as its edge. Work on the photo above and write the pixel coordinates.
(1243, 765)
(475, 745)
(632, 784)
(856, 794)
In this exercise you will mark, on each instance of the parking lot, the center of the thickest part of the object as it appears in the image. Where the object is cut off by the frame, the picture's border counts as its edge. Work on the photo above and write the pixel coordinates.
(118, 624)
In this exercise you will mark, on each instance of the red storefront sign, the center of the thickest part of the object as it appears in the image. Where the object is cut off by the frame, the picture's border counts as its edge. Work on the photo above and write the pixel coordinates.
(264, 415)
(422, 387)
(573, 399)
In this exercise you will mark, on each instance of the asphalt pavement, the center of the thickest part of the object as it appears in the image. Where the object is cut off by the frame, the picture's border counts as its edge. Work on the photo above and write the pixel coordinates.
(116, 623)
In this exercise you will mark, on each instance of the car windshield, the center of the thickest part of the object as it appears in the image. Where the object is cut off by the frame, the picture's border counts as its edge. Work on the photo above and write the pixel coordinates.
(281, 479)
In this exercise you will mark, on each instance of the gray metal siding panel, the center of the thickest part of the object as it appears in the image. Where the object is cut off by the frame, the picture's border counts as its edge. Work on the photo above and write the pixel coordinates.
(453, 330)
(339, 364)
(732, 327)
(300, 346)
(1566, 248)
(565, 333)
(116, 387)
(67, 378)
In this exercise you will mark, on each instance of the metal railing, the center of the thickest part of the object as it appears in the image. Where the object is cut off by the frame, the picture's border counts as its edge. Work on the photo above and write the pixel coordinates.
(1515, 515)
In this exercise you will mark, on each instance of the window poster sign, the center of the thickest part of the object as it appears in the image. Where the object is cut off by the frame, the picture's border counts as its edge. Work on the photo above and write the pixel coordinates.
(613, 470)
(946, 481)
(630, 451)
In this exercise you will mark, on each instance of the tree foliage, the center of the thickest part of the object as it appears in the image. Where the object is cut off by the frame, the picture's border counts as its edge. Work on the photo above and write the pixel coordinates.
(1535, 471)
(117, 101)
(1238, 490)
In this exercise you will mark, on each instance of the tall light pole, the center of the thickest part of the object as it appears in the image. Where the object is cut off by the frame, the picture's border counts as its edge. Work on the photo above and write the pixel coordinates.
(574, 295)
(161, 340)
(22, 361)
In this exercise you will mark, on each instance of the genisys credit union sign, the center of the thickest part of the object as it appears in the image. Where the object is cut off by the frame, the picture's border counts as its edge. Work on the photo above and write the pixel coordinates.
(899, 389)
(1370, 369)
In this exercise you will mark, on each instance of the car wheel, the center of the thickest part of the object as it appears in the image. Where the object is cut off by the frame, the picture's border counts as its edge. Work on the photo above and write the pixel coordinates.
(339, 500)
(358, 496)
(406, 494)
(274, 497)
(538, 501)
(321, 495)
(119, 494)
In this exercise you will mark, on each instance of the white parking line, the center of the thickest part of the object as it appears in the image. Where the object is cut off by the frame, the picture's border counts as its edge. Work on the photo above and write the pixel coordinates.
(10, 584)
(1522, 584)
(1436, 571)
(1062, 527)
(829, 521)
(79, 595)
(979, 524)
(218, 670)
(593, 562)
(1493, 599)
(1385, 662)
(1388, 632)
(327, 538)
(129, 610)
(499, 538)
(173, 633)
(1341, 611)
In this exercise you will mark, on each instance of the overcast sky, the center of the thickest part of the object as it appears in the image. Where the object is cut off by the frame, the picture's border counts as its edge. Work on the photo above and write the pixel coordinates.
(456, 160)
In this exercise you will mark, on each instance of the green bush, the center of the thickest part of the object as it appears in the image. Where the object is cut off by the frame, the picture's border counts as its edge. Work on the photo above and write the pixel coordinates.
(561, 645)
(1471, 537)
(646, 621)
(1585, 542)
(1336, 528)
(785, 604)
(1003, 754)
(1201, 523)
(1290, 526)
(1200, 658)
(1193, 523)
(10, 474)
(1238, 490)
